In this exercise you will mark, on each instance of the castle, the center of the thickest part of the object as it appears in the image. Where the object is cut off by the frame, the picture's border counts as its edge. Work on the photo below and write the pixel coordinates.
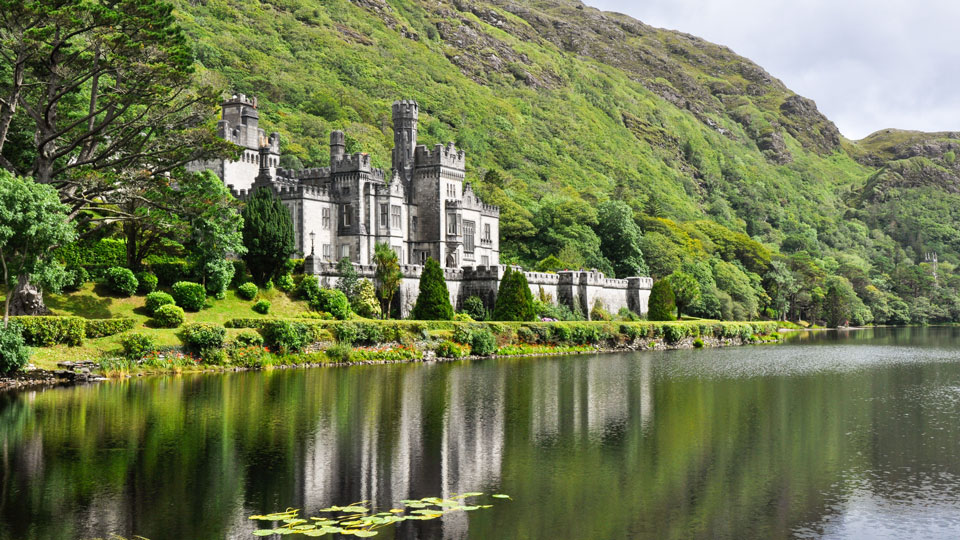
(421, 208)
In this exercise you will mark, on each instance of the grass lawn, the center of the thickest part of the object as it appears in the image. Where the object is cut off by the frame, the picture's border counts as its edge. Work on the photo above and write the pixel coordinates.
(95, 302)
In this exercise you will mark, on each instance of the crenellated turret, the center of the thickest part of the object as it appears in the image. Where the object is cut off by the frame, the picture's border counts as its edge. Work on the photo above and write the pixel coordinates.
(406, 115)
(338, 146)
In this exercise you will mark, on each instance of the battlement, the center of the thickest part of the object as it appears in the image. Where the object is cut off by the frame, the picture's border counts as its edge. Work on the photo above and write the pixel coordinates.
(542, 278)
(482, 272)
(406, 108)
(240, 99)
(640, 283)
(313, 173)
(447, 156)
(301, 191)
(351, 163)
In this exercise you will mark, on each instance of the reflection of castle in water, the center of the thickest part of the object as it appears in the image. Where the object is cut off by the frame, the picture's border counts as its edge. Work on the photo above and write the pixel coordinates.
(352, 457)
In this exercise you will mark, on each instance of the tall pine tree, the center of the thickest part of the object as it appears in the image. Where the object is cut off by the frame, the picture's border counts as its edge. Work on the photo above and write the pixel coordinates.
(514, 299)
(267, 235)
(433, 302)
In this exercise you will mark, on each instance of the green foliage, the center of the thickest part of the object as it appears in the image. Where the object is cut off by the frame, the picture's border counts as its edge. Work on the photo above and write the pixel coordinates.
(341, 353)
(215, 227)
(309, 288)
(122, 281)
(514, 299)
(349, 279)
(170, 271)
(267, 235)
(331, 301)
(217, 275)
(598, 312)
(262, 307)
(364, 301)
(157, 299)
(248, 291)
(286, 337)
(146, 282)
(387, 276)
(98, 328)
(248, 339)
(136, 346)
(168, 316)
(449, 349)
(205, 339)
(433, 301)
(14, 354)
(473, 306)
(76, 277)
(620, 239)
(483, 342)
(188, 295)
(686, 291)
(842, 306)
(662, 304)
(285, 282)
(48, 331)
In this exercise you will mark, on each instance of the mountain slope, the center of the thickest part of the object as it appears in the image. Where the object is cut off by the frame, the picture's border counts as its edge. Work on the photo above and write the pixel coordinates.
(561, 107)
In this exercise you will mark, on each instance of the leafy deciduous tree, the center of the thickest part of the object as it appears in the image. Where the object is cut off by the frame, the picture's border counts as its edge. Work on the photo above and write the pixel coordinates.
(686, 291)
(387, 275)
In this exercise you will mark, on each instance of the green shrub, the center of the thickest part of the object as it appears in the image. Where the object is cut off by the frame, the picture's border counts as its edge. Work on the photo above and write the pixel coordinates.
(247, 291)
(157, 299)
(14, 354)
(449, 349)
(204, 339)
(309, 288)
(698, 343)
(462, 317)
(514, 299)
(189, 295)
(49, 331)
(340, 353)
(598, 312)
(168, 316)
(333, 302)
(248, 339)
(285, 283)
(262, 307)
(249, 356)
(433, 300)
(526, 335)
(474, 307)
(285, 337)
(122, 281)
(147, 282)
(76, 277)
(483, 342)
(662, 303)
(631, 331)
(136, 346)
(364, 301)
(674, 333)
(98, 328)
(170, 270)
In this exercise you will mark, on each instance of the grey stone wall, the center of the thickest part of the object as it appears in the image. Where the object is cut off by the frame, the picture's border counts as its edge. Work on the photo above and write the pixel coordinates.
(570, 288)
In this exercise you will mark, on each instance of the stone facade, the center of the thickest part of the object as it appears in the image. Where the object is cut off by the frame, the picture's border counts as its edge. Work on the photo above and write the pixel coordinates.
(422, 208)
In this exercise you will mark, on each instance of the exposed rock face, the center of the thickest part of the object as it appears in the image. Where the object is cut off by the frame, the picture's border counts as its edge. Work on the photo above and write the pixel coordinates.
(803, 120)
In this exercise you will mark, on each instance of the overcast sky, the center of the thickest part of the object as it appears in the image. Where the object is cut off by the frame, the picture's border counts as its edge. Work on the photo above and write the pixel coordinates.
(869, 65)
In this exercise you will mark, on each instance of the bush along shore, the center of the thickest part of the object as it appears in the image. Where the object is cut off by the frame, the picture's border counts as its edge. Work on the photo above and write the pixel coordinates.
(257, 343)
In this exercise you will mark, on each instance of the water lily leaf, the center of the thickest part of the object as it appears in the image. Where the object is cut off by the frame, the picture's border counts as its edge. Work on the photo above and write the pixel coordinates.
(469, 508)
(331, 509)
(502, 496)
(359, 509)
(396, 510)
(263, 532)
(294, 521)
(472, 494)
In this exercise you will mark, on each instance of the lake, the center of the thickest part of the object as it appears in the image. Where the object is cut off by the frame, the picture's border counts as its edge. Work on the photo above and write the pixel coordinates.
(831, 435)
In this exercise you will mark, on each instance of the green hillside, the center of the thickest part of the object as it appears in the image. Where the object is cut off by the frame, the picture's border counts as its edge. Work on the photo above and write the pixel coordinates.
(562, 107)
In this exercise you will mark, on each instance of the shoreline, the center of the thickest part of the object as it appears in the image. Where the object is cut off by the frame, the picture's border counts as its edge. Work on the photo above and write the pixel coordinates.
(83, 374)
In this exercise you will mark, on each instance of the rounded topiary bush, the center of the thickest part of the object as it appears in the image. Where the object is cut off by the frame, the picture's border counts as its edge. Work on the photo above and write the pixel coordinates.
(247, 291)
(122, 281)
(14, 353)
(262, 307)
(333, 302)
(168, 316)
(147, 283)
(76, 277)
(157, 299)
(189, 295)
(203, 338)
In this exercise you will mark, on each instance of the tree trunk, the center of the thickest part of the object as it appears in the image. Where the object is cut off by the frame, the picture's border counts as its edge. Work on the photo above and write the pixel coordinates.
(27, 299)
(130, 231)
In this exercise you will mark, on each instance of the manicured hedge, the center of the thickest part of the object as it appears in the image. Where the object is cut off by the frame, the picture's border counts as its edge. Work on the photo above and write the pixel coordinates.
(122, 281)
(189, 295)
(50, 331)
(168, 316)
(98, 328)
(156, 300)
(247, 291)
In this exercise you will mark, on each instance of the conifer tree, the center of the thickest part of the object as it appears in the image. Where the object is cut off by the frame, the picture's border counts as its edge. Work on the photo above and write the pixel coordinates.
(514, 299)
(433, 301)
(267, 235)
(662, 302)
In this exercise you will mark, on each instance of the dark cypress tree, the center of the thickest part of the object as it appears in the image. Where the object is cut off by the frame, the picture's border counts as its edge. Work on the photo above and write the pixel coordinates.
(433, 301)
(662, 302)
(267, 235)
(514, 299)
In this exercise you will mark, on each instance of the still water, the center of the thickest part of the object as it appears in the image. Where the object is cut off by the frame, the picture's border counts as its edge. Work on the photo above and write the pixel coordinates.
(832, 435)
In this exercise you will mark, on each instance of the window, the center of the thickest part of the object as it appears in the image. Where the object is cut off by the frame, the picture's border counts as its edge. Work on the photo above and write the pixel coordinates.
(345, 251)
(326, 252)
(326, 218)
(451, 191)
(486, 232)
(395, 214)
(468, 227)
(346, 190)
(347, 215)
(484, 260)
(422, 256)
(452, 223)
(383, 216)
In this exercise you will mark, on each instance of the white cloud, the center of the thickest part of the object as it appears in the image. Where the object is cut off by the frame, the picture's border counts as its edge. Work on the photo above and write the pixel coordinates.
(869, 65)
